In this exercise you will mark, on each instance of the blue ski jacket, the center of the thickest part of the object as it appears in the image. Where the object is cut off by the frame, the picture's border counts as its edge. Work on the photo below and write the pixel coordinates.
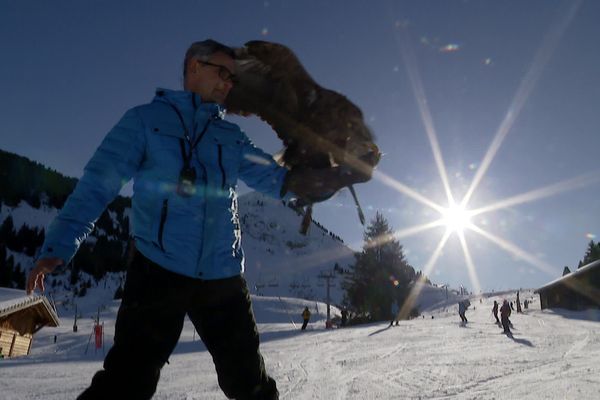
(198, 235)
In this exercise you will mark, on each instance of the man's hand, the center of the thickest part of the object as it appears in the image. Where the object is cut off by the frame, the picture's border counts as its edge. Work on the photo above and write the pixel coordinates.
(42, 267)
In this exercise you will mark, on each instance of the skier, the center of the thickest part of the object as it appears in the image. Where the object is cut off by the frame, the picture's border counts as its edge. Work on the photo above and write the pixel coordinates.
(504, 314)
(305, 317)
(495, 311)
(344, 317)
(526, 304)
(462, 309)
(395, 312)
(518, 304)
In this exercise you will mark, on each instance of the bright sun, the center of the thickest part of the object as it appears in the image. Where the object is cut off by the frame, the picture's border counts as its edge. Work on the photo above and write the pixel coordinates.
(456, 218)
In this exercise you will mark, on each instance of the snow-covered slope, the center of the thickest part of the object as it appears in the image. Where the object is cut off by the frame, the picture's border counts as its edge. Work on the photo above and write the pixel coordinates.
(553, 355)
(24, 214)
(280, 260)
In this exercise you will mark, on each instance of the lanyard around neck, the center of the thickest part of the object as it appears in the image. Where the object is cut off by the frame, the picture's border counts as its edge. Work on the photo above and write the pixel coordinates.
(187, 156)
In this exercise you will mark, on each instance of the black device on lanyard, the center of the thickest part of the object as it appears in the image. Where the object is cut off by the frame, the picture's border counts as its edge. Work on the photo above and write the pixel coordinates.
(186, 184)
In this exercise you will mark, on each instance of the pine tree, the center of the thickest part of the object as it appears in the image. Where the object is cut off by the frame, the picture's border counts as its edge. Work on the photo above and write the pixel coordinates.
(7, 229)
(591, 254)
(380, 275)
(7, 272)
(8, 234)
(19, 277)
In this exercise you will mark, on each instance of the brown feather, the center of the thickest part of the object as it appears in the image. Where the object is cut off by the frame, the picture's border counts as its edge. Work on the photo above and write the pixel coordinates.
(319, 128)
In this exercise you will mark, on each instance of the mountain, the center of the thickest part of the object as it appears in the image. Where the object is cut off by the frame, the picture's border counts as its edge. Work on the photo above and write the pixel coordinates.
(30, 196)
(279, 260)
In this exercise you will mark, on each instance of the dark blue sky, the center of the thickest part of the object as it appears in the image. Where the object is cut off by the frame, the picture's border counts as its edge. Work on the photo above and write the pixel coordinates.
(70, 69)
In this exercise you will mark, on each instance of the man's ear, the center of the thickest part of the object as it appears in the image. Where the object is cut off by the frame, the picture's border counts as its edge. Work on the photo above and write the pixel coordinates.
(193, 65)
(197, 65)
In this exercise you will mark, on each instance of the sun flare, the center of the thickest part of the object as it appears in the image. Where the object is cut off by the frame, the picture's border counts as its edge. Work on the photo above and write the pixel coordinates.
(456, 218)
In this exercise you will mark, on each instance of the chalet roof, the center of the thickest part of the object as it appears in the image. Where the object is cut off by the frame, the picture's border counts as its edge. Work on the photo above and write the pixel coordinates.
(14, 300)
(580, 271)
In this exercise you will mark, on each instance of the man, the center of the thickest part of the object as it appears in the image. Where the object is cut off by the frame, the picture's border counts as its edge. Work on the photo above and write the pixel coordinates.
(305, 318)
(462, 309)
(504, 316)
(495, 311)
(395, 312)
(185, 160)
(344, 316)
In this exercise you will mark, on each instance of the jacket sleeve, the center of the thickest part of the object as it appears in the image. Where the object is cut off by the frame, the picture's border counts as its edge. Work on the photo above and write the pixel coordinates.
(260, 172)
(112, 165)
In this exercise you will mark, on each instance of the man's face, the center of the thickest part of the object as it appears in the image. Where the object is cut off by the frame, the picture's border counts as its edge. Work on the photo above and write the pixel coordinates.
(211, 79)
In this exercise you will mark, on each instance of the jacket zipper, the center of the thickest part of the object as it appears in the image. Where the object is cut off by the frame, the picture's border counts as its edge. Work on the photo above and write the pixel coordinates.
(221, 166)
(163, 219)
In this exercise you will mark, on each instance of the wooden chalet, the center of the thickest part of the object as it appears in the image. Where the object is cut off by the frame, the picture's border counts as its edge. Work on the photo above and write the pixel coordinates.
(21, 316)
(577, 290)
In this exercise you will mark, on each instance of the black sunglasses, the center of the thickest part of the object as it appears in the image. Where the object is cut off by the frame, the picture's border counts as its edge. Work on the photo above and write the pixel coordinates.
(224, 73)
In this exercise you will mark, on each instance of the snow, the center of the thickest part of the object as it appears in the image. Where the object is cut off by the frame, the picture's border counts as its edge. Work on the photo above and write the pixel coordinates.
(577, 273)
(20, 258)
(553, 355)
(24, 214)
(11, 297)
(279, 259)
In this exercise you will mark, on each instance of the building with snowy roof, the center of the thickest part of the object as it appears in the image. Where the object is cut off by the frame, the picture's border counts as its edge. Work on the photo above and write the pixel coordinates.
(578, 290)
(21, 316)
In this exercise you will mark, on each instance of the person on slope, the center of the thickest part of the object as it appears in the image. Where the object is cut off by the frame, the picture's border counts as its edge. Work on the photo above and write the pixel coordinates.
(344, 317)
(504, 314)
(305, 317)
(495, 311)
(462, 309)
(395, 311)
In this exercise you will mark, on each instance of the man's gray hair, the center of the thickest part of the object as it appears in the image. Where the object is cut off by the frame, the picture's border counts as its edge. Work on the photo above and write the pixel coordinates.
(203, 50)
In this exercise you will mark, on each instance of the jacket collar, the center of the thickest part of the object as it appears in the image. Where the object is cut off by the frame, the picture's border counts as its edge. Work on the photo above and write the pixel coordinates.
(189, 102)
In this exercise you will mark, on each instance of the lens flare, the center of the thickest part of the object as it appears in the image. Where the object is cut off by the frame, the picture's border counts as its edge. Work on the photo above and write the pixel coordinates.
(450, 48)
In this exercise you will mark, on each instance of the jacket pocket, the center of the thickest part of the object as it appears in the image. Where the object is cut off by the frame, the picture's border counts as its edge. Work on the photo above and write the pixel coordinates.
(163, 218)
(229, 152)
(220, 156)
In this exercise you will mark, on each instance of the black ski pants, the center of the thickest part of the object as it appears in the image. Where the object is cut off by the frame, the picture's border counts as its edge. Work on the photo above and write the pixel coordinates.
(304, 324)
(505, 324)
(149, 322)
